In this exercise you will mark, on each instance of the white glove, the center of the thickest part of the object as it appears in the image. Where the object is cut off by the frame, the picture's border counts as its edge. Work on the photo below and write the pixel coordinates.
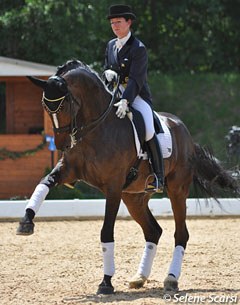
(110, 75)
(122, 108)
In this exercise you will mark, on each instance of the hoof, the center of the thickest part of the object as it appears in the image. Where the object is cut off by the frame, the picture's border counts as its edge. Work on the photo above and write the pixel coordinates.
(106, 286)
(170, 285)
(137, 281)
(105, 289)
(25, 228)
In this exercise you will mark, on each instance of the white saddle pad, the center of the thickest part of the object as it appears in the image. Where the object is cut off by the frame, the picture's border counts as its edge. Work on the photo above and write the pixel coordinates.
(165, 139)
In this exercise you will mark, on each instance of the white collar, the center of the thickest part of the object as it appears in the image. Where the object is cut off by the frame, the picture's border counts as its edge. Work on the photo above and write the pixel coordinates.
(121, 42)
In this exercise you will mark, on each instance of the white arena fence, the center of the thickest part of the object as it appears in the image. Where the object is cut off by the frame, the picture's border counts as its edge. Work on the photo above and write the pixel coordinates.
(94, 208)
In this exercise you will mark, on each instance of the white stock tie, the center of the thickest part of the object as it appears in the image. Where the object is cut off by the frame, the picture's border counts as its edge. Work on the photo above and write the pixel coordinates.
(118, 44)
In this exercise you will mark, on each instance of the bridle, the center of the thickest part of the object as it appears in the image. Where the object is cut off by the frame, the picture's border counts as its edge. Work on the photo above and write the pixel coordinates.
(72, 128)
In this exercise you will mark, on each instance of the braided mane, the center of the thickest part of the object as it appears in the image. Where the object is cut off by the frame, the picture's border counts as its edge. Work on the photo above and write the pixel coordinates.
(71, 65)
(74, 64)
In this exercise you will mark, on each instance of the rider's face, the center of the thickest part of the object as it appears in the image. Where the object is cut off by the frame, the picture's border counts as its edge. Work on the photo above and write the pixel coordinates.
(120, 26)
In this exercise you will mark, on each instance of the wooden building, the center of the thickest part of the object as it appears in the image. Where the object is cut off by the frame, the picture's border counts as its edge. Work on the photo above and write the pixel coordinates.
(24, 157)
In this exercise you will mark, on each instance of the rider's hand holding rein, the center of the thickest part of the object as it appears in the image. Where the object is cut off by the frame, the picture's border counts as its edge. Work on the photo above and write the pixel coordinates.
(110, 75)
(122, 108)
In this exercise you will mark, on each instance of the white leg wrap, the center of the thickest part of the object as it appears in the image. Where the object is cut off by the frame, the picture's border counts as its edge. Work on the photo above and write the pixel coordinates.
(149, 253)
(108, 258)
(176, 264)
(37, 197)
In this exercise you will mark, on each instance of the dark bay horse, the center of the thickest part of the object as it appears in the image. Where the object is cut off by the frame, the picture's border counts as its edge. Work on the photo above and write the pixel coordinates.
(99, 149)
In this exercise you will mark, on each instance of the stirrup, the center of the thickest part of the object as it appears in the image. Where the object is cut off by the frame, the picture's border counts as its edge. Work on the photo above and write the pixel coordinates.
(154, 187)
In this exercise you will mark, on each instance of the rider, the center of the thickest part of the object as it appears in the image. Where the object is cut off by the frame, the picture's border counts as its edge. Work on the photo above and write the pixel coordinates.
(127, 56)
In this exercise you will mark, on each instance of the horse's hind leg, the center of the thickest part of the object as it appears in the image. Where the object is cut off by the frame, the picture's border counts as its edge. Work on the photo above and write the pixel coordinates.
(26, 225)
(178, 201)
(137, 205)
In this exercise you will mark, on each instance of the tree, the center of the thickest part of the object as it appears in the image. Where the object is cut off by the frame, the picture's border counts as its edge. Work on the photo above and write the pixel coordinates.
(187, 35)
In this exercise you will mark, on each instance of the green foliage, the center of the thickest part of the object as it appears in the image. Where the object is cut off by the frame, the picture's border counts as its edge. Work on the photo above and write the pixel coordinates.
(208, 104)
(191, 36)
(51, 31)
(8, 154)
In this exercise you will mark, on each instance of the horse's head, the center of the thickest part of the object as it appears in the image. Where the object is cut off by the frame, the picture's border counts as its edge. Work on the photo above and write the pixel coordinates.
(65, 93)
(57, 101)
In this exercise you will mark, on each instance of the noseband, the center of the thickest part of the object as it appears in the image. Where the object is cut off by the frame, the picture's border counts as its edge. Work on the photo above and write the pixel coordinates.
(57, 103)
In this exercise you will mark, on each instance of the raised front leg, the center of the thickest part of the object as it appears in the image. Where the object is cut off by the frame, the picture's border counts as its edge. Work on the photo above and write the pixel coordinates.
(107, 242)
(26, 225)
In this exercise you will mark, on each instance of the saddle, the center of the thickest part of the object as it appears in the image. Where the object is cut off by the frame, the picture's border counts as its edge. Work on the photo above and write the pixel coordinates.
(163, 135)
(138, 125)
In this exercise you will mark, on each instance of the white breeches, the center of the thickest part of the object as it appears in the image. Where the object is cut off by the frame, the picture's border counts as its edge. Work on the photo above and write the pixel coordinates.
(146, 111)
(144, 108)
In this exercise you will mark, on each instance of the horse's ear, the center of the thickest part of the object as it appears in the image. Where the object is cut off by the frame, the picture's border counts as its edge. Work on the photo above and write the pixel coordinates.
(38, 82)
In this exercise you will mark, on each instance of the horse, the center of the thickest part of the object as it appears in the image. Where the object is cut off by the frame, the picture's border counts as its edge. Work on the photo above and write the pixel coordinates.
(98, 148)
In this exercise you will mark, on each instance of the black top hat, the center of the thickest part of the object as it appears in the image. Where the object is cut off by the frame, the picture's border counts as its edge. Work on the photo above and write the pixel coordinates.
(120, 10)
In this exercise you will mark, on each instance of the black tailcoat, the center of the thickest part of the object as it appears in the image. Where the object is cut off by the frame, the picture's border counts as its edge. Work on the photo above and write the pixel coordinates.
(131, 64)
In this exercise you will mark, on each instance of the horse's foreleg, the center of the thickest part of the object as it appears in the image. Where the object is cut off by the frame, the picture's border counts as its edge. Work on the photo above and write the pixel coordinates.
(181, 238)
(26, 225)
(137, 205)
(107, 242)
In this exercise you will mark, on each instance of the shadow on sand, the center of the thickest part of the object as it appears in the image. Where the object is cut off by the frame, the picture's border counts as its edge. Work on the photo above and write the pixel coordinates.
(153, 293)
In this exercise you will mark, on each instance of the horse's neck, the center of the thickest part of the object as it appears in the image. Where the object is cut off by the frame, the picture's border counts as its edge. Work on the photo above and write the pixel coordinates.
(94, 103)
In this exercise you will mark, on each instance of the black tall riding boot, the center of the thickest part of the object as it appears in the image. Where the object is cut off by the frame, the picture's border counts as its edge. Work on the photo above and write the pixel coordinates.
(156, 157)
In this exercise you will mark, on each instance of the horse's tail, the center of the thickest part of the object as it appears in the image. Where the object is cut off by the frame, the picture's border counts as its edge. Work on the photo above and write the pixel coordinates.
(210, 177)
